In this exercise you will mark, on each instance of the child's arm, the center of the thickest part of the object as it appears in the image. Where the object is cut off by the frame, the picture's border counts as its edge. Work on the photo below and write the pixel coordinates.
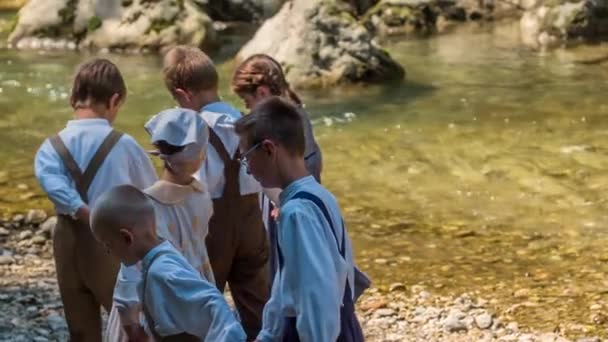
(141, 170)
(304, 244)
(53, 178)
(181, 302)
(126, 298)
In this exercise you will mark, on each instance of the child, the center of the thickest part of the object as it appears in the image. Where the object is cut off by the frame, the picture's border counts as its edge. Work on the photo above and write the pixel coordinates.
(183, 209)
(256, 78)
(312, 293)
(237, 243)
(261, 76)
(179, 305)
(74, 168)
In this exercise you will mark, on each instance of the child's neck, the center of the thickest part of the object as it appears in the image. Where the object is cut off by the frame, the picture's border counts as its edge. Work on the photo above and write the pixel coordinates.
(203, 99)
(295, 170)
(176, 179)
(93, 112)
(148, 244)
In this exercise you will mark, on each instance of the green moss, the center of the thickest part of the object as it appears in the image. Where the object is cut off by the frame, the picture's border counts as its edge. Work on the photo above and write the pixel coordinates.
(94, 23)
(158, 25)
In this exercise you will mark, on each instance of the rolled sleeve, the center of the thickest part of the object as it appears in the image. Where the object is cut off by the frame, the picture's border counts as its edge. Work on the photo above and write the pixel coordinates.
(126, 297)
(55, 180)
(180, 301)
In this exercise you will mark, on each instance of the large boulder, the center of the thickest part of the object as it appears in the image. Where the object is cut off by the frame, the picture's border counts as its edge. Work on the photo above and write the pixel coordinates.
(556, 22)
(131, 25)
(320, 43)
(404, 17)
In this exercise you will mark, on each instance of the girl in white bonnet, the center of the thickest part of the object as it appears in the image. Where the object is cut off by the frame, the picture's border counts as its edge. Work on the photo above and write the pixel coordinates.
(183, 208)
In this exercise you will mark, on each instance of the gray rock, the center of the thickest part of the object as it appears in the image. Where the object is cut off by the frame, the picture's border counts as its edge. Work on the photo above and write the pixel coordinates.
(39, 240)
(315, 26)
(19, 218)
(6, 260)
(384, 312)
(551, 23)
(41, 339)
(24, 235)
(56, 322)
(483, 321)
(49, 225)
(35, 216)
(454, 323)
(4, 232)
(136, 24)
(396, 287)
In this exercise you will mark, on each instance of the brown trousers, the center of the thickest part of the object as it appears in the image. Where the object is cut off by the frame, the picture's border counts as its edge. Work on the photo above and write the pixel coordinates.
(86, 274)
(238, 250)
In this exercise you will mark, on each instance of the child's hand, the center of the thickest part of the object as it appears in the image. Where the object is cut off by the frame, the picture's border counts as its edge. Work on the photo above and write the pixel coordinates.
(83, 214)
(136, 333)
(275, 213)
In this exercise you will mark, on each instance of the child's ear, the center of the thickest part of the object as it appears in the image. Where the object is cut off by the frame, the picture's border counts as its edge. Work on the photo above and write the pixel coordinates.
(262, 92)
(126, 236)
(115, 101)
(181, 96)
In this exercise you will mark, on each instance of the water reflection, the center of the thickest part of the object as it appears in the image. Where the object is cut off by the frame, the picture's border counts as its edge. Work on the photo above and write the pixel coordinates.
(483, 172)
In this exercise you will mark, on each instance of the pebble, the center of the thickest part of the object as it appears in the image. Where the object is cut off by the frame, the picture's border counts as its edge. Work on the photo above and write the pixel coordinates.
(513, 327)
(39, 240)
(4, 232)
(49, 225)
(35, 216)
(56, 322)
(385, 312)
(24, 235)
(396, 287)
(454, 323)
(381, 261)
(521, 293)
(595, 307)
(18, 218)
(483, 321)
(589, 339)
(22, 186)
(6, 260)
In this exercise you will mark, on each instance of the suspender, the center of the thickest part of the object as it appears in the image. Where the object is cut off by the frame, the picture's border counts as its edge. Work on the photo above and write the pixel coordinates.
(83, 180)
(319, 203)
(232, 166)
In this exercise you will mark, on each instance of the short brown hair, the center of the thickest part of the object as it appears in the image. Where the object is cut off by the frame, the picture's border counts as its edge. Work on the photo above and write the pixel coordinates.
(96, 81)
(276, 119)
(189, 68)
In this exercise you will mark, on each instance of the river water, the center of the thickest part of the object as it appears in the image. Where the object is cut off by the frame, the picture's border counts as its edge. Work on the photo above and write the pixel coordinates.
(484, 172)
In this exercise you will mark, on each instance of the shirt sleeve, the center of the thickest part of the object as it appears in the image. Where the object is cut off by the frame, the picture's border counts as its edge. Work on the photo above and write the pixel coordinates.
(55, 180)
(141, 170)
(316, 298)
(126, 298)
(272, 317)
(180, 301)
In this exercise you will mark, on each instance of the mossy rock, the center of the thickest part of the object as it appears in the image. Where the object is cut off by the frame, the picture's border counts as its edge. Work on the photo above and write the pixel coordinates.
(94, 23)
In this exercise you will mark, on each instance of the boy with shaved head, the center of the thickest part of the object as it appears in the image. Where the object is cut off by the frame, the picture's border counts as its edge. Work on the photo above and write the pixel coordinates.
(179, 305)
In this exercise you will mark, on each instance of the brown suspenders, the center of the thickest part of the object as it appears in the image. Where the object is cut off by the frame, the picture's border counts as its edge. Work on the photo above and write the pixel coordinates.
(83, 180)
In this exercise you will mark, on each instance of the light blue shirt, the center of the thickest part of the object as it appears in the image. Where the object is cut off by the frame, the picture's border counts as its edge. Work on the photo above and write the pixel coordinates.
(127, 163)
(212, 171)
(311, 284)
(223, 107)
(180, 301)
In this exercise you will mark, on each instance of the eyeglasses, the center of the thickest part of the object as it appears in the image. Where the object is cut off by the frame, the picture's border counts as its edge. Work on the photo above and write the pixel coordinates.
(244, 160)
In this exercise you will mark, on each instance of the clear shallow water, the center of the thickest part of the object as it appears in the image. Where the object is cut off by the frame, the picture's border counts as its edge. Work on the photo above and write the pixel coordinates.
(484, 172)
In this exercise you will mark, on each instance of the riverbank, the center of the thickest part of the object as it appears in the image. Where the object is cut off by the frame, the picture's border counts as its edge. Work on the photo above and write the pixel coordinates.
(31, 310)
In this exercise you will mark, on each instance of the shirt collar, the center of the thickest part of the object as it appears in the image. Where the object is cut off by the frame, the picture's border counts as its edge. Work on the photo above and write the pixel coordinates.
(163, 246)
(171, 193)
(294, 187)
(88, 122)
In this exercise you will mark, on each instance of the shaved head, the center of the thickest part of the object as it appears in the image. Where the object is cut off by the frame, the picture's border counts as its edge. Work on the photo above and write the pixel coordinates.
(122, 207)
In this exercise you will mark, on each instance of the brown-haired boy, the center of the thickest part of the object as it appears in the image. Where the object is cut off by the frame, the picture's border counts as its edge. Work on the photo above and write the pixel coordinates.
(237, 242)
(313, 290)
(74, 167)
